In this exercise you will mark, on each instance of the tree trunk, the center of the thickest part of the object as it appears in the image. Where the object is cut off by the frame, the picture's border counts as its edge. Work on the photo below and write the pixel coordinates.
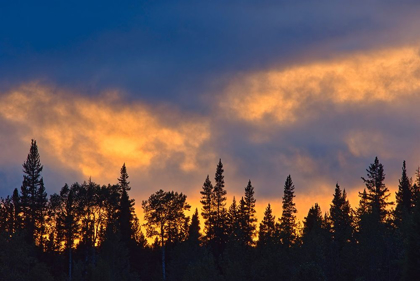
(163, 257)
(70, 262)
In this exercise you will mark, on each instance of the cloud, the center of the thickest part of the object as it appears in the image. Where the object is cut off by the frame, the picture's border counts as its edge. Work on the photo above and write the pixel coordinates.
(298, 92)
(94, 136)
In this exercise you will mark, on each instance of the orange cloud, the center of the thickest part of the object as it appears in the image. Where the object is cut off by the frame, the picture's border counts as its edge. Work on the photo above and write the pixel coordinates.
(288, 94)
(96, 135)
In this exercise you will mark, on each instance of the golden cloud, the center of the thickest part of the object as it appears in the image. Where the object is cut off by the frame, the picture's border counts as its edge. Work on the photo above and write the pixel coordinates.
(286, 95)
(96, 135)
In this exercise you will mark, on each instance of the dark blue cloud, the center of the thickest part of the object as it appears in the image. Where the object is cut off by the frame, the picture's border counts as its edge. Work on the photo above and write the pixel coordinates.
(171, 50)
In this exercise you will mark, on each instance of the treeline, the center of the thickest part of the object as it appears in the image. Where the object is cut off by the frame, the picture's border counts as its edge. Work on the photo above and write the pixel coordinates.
(91, 232)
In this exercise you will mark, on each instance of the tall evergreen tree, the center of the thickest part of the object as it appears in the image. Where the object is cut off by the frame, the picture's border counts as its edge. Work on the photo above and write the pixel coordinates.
(234, 219)
(220, 212)
(415, 191)
(341, 217)
(404, 197)
(267, 228)
(377, 192)
(194, 229)
(313, 221)
(207, 211)
(248, 214)
(33, 195)
(126, 212)
(287, 225)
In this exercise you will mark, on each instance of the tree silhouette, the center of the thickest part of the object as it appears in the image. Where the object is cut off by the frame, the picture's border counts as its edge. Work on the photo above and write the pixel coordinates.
(341, 217)
(267, 228)
(164, 216)
(33, 195)
(287, 220)
(248, 219)
(126, 214)
(220, 212)
(377, 192)
(207, 211)
(404, 197)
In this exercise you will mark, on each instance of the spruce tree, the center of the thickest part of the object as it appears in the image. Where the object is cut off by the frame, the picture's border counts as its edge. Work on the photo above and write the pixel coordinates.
(126, 208)
(341, 217)
(313, 221)
(220, 212)
(33, 195)
(287, 225)
(207, 209)
(234, 218)
(248, 214)
(404, 197)
(415, 190)
(377, 192)
(194, 229)
(267, 228)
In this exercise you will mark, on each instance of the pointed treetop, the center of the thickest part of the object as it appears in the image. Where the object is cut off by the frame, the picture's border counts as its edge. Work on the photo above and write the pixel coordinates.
(123, 179)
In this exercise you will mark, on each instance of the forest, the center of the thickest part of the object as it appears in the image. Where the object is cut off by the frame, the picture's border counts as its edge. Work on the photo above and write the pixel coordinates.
(91, 232)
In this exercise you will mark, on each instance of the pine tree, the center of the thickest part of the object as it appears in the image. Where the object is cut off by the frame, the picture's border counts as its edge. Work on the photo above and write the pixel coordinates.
(287, 225)
(341, 217)
(248, 215)
(123, 182)
(234, 218)
(267, 228)
(126, 208)
(220, 212)
(313, 221)
(415, 191)
(207, 209)
(404, 197)
(194, 229)
(377, 192)
(33, 195)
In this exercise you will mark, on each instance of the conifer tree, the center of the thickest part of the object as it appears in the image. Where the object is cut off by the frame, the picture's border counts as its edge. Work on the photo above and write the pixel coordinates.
(220, 212)
(287, 225)
(194, 229)
(234, 222)
(377, 192)
(313, 221)
(207, 209)
(33, 195)
(267, 228)
(415, 191)
(411, 266)
(341, 217)
(363, 204)
(126, 208)
(17, 208)
(248, 214)
(404, 197)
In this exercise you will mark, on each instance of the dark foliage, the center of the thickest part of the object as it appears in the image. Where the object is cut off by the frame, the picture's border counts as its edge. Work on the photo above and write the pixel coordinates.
(91, 232)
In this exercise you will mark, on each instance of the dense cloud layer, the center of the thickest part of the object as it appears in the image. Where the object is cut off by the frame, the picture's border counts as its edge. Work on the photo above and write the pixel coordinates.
(315, 90)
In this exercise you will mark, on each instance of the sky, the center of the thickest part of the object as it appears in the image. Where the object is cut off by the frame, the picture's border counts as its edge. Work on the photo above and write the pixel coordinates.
(314, 89)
